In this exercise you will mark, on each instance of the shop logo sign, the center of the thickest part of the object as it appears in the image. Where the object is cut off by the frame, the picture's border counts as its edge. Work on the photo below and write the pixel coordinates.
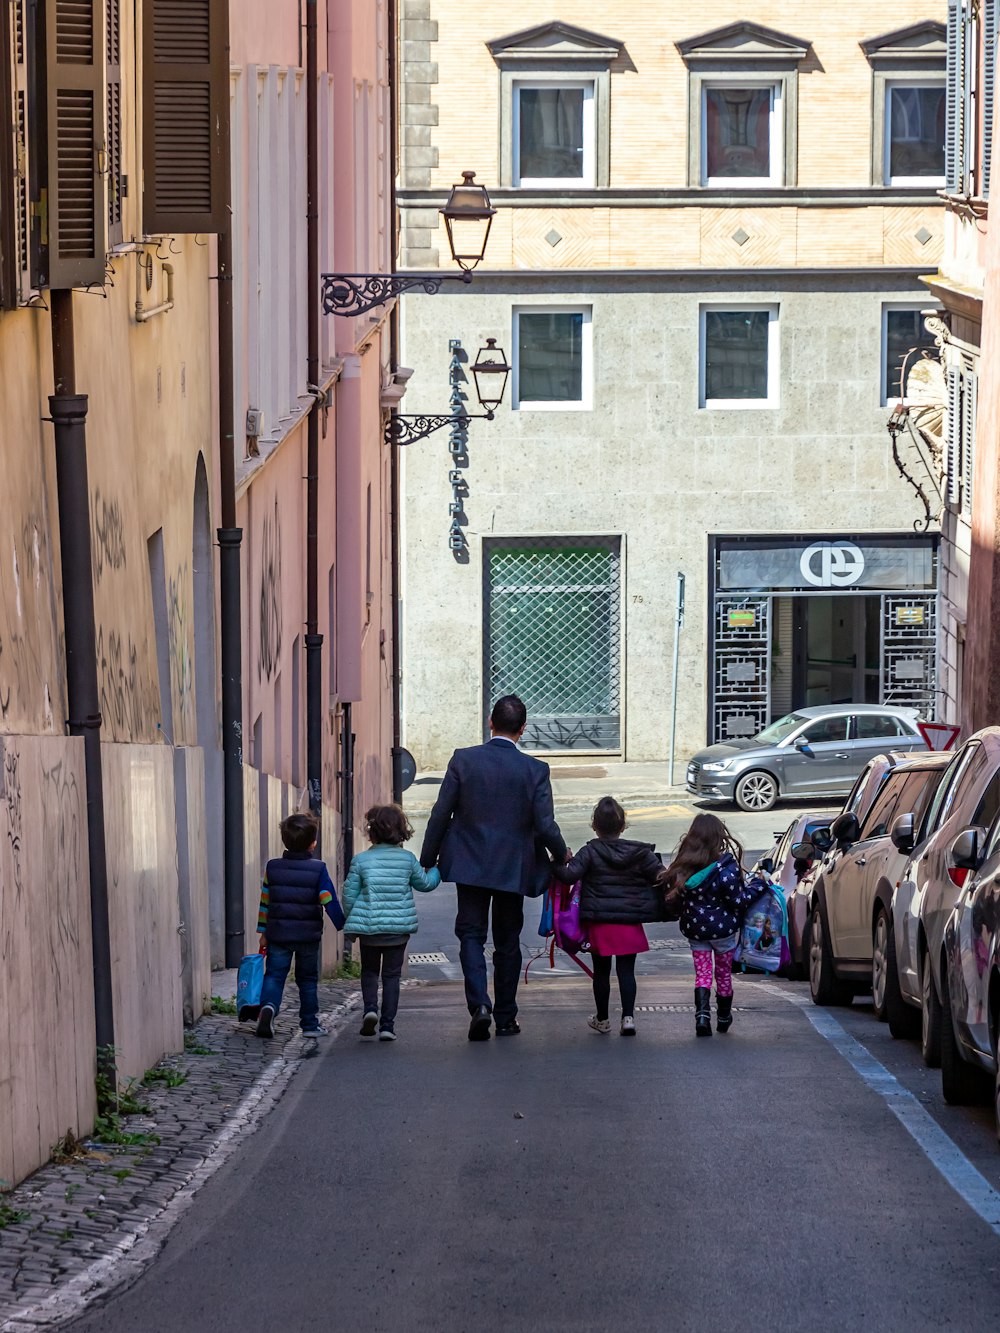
(832, 564)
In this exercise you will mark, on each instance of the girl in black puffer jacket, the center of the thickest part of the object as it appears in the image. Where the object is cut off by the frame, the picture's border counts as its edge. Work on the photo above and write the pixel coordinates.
(619, 891)
(714, 893)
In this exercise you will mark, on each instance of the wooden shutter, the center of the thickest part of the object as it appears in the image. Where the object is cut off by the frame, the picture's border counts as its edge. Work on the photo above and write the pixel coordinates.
(990, 12)
(113, 81)
(953, 434)
(8, 163)
(23, 156)
(970, 396)
(955, 129)
(76, 147)
(185, 115)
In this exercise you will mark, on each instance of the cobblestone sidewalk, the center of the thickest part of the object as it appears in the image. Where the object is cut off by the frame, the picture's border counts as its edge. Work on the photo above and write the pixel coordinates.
(80, 1228)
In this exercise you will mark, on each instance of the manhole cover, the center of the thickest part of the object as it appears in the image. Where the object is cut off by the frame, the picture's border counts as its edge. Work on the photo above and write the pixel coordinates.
(677, 1009)
(430, 958)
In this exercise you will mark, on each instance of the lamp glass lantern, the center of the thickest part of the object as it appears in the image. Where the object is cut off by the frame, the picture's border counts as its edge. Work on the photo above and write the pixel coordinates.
(490, 370)
(468, 216)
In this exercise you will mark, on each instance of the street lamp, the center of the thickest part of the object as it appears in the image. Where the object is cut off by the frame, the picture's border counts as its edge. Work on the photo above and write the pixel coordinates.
(468, 216)
(490, 371)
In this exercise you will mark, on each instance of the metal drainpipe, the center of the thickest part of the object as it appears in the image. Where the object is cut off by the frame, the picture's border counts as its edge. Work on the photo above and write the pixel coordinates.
(397, 753)
(69, 417)
(397, 768)
(313, 638)
(230, 612)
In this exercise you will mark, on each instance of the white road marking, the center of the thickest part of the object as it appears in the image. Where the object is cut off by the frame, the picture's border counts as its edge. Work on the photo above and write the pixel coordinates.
(942, 1152)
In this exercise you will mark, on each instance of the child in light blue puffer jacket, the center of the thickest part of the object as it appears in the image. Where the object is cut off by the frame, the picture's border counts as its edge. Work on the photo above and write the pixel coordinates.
(378, 901)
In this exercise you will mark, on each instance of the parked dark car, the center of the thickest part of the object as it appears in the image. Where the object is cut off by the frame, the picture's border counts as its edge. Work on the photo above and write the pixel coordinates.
(970, 971)
(808, 835)
(811, 752)
(851, 892)
(928, 889)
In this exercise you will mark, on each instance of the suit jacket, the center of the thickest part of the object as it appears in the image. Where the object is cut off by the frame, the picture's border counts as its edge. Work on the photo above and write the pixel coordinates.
(493, 821)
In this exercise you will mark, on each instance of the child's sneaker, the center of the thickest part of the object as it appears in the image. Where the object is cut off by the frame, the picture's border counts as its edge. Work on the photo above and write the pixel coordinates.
(369, 1024)
(387, 1034)
(599, 1024)
(628, 1026)
(265, 1021)
(318, 1031)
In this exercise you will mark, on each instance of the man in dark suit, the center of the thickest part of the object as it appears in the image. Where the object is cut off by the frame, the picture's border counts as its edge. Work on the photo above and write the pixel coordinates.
(489, 832)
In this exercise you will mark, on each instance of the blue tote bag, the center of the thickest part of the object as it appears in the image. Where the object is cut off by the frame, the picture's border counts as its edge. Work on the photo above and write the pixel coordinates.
(249, 981)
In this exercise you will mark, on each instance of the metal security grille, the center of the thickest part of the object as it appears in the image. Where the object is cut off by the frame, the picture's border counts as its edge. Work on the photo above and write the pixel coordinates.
(740, 695)
(552, 636)
(909, 652)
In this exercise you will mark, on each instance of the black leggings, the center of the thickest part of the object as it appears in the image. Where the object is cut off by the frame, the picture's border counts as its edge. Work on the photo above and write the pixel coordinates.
(625, 968)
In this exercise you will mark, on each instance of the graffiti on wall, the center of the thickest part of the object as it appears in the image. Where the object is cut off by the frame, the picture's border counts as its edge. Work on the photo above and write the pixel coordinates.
(269, 638)
(10, 799)
(109, 535)
(63, 845)
(178, 626)
(25, 587)
(129, 703)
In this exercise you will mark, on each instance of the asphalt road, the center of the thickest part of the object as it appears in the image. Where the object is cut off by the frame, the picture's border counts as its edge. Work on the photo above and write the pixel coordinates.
(561, 1180)
(564, 1180)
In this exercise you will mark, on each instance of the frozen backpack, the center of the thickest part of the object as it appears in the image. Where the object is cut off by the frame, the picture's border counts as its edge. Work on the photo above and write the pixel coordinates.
(763, 945)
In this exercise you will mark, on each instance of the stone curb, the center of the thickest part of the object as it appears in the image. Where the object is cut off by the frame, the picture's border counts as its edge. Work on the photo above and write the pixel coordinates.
(130, 1243)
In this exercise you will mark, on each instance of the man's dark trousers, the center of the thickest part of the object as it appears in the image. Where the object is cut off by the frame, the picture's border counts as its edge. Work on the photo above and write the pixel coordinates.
(471, 927)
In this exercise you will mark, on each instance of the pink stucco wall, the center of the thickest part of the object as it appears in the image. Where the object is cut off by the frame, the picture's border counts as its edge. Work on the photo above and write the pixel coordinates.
(354, 525)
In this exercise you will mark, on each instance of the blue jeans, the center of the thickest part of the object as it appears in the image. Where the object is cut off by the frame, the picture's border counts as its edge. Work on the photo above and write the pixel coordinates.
(279, 961)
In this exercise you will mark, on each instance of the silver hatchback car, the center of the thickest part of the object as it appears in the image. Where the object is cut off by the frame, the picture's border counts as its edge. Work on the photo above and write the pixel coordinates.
(809, 753)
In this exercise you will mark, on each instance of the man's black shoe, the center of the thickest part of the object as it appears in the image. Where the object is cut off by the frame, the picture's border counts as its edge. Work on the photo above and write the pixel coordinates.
(510, 1029)
(479, 1028)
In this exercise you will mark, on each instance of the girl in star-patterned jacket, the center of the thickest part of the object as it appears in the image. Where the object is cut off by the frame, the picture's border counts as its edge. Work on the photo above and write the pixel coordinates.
(714, 892)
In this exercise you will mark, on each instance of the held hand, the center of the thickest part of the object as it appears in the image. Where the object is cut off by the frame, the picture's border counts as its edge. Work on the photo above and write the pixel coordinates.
(569, 856)
(262, 947)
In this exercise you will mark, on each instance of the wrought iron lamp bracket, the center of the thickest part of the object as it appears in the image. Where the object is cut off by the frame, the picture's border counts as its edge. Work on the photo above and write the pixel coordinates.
(407, 430)
(896, 425)
(357, 293)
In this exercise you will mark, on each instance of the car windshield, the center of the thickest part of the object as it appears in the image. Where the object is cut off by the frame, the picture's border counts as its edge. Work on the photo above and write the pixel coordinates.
(777, 731)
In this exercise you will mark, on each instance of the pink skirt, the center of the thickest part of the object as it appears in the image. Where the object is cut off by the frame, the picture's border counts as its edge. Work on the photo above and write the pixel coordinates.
(607, 938)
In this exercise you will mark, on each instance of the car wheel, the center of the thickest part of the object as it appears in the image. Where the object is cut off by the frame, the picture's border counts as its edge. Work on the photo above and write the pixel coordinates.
(823, 984)
(930, 1017)
(880, 947)
(961, 1082)
(756, 791)
(903, 1019)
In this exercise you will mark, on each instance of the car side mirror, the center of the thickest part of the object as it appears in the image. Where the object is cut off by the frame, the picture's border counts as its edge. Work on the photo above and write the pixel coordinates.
(767, 865)
(845, 828)
(967, 849)
(804, 747)
(822, 839)
(803, 851)
(902, 834)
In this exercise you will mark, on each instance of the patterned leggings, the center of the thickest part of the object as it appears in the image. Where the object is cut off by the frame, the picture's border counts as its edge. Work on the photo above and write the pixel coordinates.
(723, 970)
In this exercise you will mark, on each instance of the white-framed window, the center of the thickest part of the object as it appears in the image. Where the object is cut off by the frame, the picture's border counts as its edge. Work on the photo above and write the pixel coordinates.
(904, 338)
(553, 138)
(742, 133)
(915, 120)
(739, 362)
(553, 358)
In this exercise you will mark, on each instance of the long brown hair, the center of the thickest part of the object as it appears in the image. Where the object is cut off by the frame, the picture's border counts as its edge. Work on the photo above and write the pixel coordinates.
(707, 840)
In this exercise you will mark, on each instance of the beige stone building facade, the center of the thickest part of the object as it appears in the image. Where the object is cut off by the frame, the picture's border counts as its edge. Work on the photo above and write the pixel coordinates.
(704, 269)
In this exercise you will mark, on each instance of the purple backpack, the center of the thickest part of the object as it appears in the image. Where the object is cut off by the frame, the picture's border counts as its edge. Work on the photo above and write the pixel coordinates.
(570, 932)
